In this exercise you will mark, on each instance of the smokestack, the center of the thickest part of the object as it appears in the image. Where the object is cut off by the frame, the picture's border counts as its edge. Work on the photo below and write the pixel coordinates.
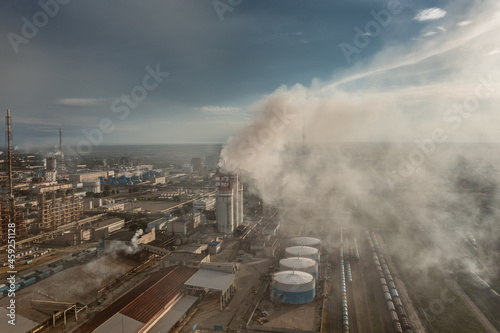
(62, 166)
(9, 155)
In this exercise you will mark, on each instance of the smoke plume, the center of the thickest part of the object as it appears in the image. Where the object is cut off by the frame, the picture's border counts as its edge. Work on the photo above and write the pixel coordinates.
(390, 142)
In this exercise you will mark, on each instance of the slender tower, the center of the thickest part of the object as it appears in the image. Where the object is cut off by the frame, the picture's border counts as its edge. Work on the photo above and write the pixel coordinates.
(9, 161)
(8, 211)
(62, 165)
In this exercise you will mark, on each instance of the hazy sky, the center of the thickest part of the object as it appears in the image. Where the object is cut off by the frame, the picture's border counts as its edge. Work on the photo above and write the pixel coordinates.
(85, 57)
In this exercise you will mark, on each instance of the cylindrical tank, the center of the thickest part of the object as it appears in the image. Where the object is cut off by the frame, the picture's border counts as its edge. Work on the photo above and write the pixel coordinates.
(300, 264)
(303, 252)
(293, 287)
(306, 241)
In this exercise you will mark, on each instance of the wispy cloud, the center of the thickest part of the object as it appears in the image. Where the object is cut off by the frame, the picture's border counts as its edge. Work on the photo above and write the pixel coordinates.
(430, 14)
(218, 109)
(429, 33)
(495, 51)
(34, 121)
(442, 29)
(78, 102)
(463, 23)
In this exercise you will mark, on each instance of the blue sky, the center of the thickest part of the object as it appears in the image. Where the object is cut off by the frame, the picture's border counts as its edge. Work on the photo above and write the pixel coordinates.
(92, 52)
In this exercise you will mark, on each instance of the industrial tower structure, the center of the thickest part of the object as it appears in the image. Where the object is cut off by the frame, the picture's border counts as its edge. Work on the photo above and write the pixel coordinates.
(229, 202)
(62, 166)
(9, 215)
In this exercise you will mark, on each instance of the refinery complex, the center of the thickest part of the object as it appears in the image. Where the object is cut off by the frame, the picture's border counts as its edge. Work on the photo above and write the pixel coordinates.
(190, 247)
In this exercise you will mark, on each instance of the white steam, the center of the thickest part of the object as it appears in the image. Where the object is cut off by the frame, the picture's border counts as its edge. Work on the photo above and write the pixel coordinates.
(420, 97)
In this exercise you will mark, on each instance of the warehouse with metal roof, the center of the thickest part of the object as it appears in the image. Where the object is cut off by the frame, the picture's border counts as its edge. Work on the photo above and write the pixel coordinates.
(214, 278)
(155, 305)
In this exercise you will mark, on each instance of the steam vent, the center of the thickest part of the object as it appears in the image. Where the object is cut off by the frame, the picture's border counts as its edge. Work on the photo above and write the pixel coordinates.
(293, 287)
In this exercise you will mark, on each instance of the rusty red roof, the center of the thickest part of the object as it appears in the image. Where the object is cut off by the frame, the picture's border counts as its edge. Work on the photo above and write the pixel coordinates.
(147, 299)
(159, 296)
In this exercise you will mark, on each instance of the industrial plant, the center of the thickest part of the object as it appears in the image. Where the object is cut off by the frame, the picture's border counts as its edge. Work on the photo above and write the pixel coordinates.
(128, 246)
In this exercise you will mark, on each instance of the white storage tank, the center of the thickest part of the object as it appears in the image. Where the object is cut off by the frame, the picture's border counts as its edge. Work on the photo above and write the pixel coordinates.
(293, 287)
(306, 241)
(303, 252)
(300, 264)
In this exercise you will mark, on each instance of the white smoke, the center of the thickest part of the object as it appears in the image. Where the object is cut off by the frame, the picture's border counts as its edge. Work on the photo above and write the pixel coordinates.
(422, 96)
(122, 247)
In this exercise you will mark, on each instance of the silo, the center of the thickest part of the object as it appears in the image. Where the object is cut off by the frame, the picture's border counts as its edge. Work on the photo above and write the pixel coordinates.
(51, 163)
(306, 241)
(293, 287)
(300, 264)
(303, 252)
(224, 211)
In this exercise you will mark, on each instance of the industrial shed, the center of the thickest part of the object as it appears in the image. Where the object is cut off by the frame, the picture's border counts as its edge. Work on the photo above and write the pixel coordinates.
(213, 280)
(155, 305)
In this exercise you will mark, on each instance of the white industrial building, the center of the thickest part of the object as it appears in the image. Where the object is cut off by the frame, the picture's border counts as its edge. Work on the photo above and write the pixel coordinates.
(207, 203)
(229, 203)
(93, 186)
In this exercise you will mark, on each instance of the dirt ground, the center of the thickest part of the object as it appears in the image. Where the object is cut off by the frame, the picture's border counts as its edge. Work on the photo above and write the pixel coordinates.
(75, 284)
(248, 280)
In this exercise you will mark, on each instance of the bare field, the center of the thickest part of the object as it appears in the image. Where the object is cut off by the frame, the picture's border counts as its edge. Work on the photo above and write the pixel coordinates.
(75, 284)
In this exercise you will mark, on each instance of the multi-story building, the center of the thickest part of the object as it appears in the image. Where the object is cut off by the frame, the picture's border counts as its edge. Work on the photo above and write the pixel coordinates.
(9, 214)
(196, 163)
(207, 203)
(229, 202)
(93, 186)
(58, 211)
(82, 177)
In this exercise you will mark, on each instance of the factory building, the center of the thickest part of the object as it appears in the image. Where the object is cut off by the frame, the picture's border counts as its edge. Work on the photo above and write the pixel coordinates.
(82, 177)
(155, 305)
(93, 186)
(103, 228)
(58, 211)
(184, 225)
(207, 203)
(229, 202)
